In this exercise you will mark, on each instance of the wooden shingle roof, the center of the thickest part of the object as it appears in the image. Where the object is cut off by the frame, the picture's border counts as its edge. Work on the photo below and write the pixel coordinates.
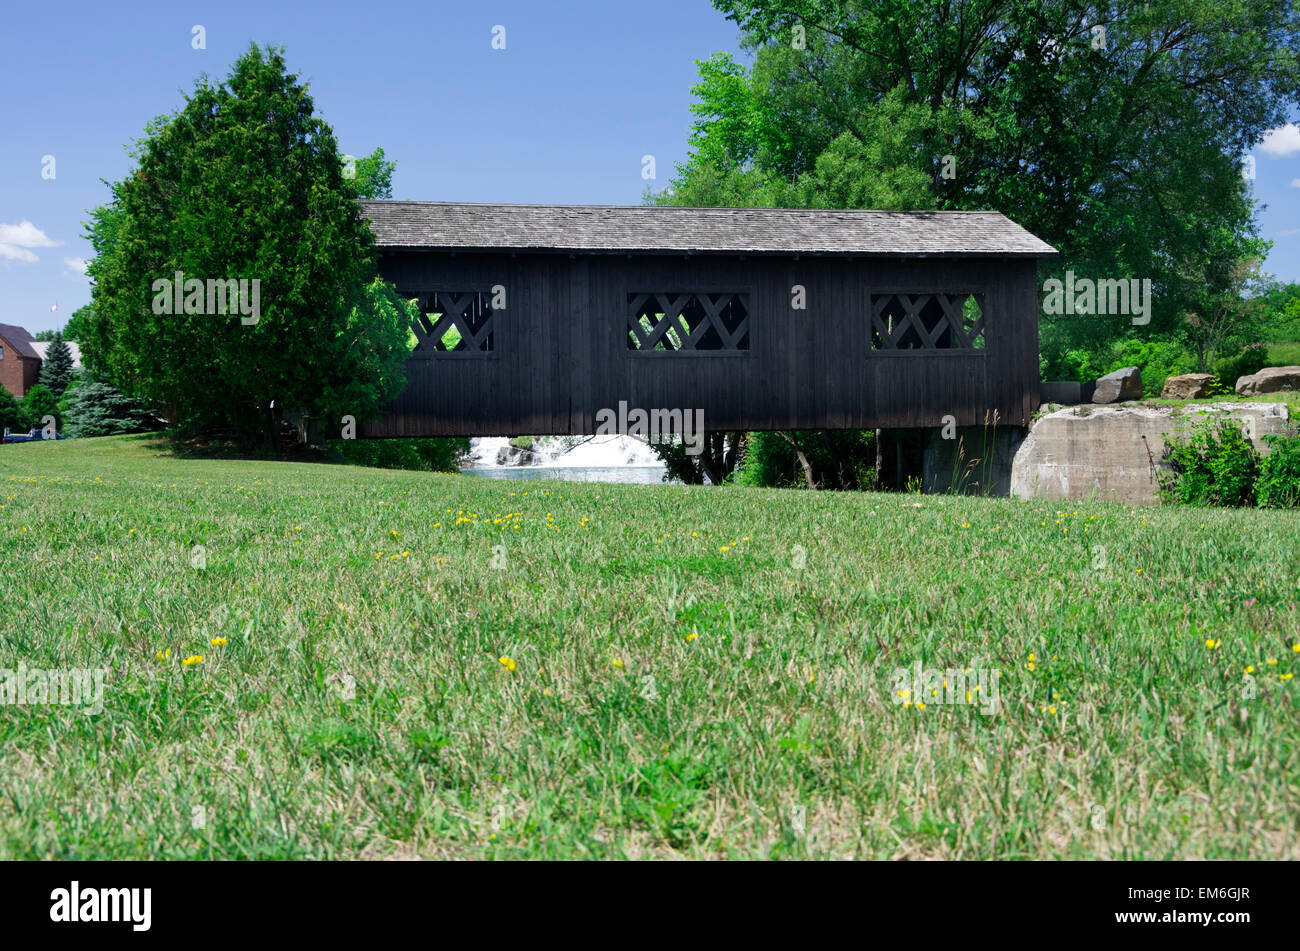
(666, 229)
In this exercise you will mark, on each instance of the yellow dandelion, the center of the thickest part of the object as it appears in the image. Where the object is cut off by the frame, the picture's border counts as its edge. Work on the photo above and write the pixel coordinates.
(506, 662)
(1287, 676)
(191, 661)
(618, 662)
(692, 636)
(1211, 644)
(218, 642)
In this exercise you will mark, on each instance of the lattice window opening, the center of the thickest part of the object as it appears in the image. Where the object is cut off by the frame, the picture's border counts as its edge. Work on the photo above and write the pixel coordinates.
(687, 322)
(459, 322)
(927, 322)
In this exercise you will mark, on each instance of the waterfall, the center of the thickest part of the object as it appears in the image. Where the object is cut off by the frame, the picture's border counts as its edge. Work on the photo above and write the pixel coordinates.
(554, 452)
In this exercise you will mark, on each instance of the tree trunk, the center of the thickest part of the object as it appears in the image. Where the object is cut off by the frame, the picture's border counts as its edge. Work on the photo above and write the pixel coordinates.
(803, 460)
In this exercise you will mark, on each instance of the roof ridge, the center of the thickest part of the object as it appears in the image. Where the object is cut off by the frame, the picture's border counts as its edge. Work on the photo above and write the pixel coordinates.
(527, 204)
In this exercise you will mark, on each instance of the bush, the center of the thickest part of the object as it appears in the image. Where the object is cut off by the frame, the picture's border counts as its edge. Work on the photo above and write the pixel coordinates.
(424, 455)
(1156, 359)
(840, 459)
(12, 414)
(1278, 485)
(1213, 464)
(101, 409)
(1251, 359)
(1075, 364)
(40, 403)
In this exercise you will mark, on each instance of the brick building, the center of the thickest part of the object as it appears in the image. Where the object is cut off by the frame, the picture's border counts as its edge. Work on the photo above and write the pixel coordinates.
(20, 363)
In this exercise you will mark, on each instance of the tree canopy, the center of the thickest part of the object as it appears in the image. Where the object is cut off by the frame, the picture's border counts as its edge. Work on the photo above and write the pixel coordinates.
(1117, 132)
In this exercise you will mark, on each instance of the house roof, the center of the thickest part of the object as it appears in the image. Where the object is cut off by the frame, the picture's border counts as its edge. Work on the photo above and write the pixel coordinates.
(670, 229)
(20, 340)
(41, 346)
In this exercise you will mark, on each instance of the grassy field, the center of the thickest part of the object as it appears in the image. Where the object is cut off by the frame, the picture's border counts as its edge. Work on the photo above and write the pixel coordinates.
(1285, 353)
(409, 665)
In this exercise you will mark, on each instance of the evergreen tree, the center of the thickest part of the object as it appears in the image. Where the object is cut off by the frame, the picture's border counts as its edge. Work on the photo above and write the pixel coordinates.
(101, 409)
(56, 371)
(244, 183)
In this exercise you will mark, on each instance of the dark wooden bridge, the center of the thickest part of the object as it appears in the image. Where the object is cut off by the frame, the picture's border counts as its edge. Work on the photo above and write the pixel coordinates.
(538, 317)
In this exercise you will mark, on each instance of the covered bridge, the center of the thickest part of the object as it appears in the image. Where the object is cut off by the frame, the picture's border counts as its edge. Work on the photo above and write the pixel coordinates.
(538, 317)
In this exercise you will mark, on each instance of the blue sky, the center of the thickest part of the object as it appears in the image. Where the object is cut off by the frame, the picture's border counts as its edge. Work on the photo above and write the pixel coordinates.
(563, 114)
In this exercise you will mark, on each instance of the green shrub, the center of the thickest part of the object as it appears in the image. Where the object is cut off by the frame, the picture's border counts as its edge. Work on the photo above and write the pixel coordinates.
(1156, 359)
(39, 403)
(1213, 463)
(1251, 359)
(1278, 485)
(425, 455)
(840, 459)
(1074, 364)
(12, 414)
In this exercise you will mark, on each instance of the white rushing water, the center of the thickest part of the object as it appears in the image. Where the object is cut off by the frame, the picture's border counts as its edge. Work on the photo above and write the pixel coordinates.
(598, 452)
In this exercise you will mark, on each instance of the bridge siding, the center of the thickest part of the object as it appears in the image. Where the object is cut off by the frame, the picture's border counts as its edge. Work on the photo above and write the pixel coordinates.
(561, 348)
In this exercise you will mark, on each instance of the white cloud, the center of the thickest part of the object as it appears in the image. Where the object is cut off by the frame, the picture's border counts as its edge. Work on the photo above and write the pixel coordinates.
(75, 266)
(17, 240)
(13, 253)
(1288, 233)
(1281, 142)
(1295, 183)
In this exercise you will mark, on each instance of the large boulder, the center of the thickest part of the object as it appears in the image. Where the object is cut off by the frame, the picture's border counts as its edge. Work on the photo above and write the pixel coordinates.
(1188, 386)
(1115, 453)
(1269, 380)
(1125, 384)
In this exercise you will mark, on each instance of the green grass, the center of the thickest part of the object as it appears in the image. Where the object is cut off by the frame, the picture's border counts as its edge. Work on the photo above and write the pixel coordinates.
(1284, 354)
(771, 733)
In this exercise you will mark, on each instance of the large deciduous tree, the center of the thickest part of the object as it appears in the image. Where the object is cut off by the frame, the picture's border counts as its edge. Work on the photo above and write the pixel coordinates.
(1115, 131)
(244, 183)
